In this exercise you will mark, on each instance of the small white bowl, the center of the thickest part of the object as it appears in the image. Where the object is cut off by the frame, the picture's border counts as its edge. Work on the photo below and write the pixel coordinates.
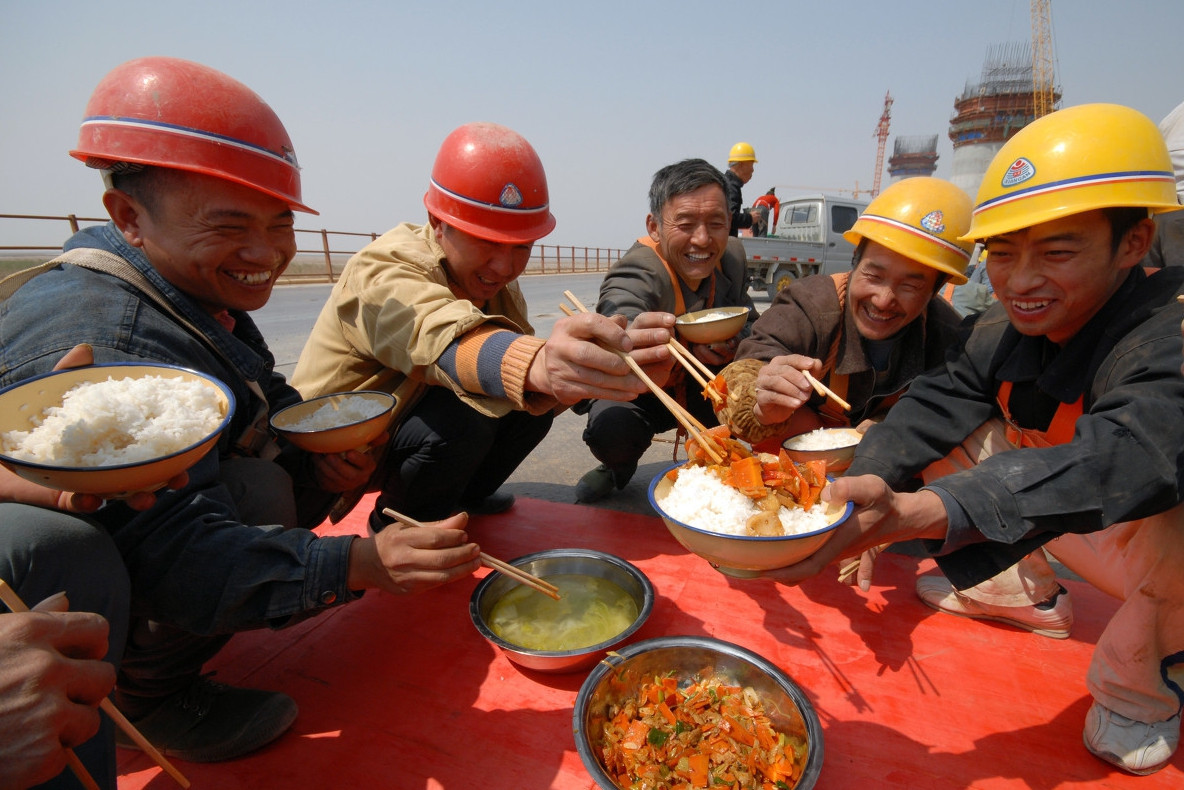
(837, 458)
(694, 329)
(350, 435)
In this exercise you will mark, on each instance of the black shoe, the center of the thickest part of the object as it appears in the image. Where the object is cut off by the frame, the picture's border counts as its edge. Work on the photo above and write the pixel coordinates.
(595, 485)
(210, 722)
(497, 502)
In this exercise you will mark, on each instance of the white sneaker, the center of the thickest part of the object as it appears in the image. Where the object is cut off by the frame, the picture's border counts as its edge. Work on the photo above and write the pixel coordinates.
(1134, 746)
(1054, 622)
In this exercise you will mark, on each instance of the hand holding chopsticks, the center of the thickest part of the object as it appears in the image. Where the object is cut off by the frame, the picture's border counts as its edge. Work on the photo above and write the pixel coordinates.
(517, 574)
(15, 604)
(695, 429)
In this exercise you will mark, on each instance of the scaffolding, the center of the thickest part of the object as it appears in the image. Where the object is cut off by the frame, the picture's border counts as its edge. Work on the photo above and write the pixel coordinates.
(1000, 103)
(991, 110)
(913, 156)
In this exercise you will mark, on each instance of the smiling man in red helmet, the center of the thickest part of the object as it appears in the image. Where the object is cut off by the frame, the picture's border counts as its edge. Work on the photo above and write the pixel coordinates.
(202, 186)
(433, 312)
(1055, 424)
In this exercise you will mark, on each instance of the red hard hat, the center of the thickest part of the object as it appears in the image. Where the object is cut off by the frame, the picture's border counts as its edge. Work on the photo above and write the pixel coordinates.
(183, 115)
(488, 181)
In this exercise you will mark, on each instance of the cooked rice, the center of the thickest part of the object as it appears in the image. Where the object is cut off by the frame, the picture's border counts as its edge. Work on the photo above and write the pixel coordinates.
(348, 412)
(715, 315)
(701, 499)
(119, 421)
(823, 439)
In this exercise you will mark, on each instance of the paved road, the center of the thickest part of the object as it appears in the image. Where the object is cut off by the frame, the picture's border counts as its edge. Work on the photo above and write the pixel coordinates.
(551, 472)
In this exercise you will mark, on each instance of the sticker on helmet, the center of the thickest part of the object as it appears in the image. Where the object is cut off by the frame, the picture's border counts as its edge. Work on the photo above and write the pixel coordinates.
(1019, 172)
(511, 196)
(934, 222)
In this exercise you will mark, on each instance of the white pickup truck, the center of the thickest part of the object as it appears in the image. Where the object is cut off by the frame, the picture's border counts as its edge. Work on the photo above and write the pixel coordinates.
(808, 240)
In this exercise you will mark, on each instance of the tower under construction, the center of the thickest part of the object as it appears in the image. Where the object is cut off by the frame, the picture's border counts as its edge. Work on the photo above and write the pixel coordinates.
(990, 111)
(913, 156)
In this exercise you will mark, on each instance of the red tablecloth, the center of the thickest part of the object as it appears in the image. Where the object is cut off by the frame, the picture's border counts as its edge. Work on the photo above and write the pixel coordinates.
(404, 693)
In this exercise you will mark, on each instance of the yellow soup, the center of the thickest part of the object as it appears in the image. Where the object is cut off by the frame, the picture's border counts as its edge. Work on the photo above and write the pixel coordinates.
(590, 610)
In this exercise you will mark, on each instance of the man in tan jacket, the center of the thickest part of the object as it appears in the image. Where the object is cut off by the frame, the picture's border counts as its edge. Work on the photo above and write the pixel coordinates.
(433, 313)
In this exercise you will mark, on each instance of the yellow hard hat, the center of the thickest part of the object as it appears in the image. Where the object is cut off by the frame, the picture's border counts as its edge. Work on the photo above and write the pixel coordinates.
(923, 219)
(1077, 159)
(742, 152)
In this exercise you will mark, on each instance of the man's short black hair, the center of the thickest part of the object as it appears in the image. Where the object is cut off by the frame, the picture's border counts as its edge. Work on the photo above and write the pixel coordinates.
(1122, 219)
(680, 178)
(145, 184)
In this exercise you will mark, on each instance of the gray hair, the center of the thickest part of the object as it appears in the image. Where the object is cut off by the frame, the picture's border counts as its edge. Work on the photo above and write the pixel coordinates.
(680, 178)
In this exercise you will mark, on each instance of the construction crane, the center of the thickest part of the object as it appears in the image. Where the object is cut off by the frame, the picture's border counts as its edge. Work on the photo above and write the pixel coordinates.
(881, 134)
(1043, 89)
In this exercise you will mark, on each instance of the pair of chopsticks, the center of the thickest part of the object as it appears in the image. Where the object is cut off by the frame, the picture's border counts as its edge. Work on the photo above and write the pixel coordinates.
(15, 604)
(696, 368)
(517, 574)
(695, 429)
(826, 391)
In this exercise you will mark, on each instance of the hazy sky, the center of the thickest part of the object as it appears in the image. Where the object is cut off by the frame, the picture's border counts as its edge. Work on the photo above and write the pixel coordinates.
(606, 91)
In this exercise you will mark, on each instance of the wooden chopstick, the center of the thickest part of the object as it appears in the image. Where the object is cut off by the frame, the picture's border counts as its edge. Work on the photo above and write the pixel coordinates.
(694, 428)
(517, 574)
(679, 348)
(825, 391)
(685, 358)
(84, 777)
(521, 576)
(848, 570)
(14, 602)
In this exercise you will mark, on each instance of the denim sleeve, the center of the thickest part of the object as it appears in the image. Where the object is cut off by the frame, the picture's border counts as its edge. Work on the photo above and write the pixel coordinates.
(195, 566)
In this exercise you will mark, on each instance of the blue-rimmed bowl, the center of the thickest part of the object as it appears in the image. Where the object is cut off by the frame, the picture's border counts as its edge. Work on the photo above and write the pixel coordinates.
(23, 404)
(744, 556)
(350, 432)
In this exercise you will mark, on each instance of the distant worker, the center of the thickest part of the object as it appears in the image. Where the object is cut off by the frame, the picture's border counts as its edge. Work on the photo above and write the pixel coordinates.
(686, 262)
(770, 208)
(865, 333)
(740, 164)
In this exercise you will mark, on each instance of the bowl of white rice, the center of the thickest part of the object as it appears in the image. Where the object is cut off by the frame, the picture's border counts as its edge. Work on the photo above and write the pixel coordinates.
(111, 429)
(835, 446)
(713, 325)
(709, 518)
(337, 422)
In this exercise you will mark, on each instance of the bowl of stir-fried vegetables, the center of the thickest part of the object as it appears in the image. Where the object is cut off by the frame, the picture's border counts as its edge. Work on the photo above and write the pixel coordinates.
(603, 600)
(691, 711)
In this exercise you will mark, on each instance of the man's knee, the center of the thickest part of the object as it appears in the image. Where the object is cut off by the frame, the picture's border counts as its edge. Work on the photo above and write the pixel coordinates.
(44, 552)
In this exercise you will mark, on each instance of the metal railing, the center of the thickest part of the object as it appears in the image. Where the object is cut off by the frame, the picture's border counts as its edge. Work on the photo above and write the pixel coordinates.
(324, 262)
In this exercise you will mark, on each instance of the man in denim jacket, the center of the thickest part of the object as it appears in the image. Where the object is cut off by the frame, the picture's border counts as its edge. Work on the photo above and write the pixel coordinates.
(201, 197)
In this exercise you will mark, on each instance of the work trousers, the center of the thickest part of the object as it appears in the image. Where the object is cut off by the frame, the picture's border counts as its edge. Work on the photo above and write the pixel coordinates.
(43, 552)
(446, 453)
(162, 660)
(1137, 668)
(618, 433)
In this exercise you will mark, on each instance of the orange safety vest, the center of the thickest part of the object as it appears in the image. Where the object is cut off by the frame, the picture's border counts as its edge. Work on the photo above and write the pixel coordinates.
(677, 383)
(1060, 430)
(680, 304)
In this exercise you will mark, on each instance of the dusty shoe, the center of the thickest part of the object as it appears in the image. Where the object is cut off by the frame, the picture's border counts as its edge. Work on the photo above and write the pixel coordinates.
(1134, 746)
(497, 502)
(210, 722)
(595, 485)
(1053, 619)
